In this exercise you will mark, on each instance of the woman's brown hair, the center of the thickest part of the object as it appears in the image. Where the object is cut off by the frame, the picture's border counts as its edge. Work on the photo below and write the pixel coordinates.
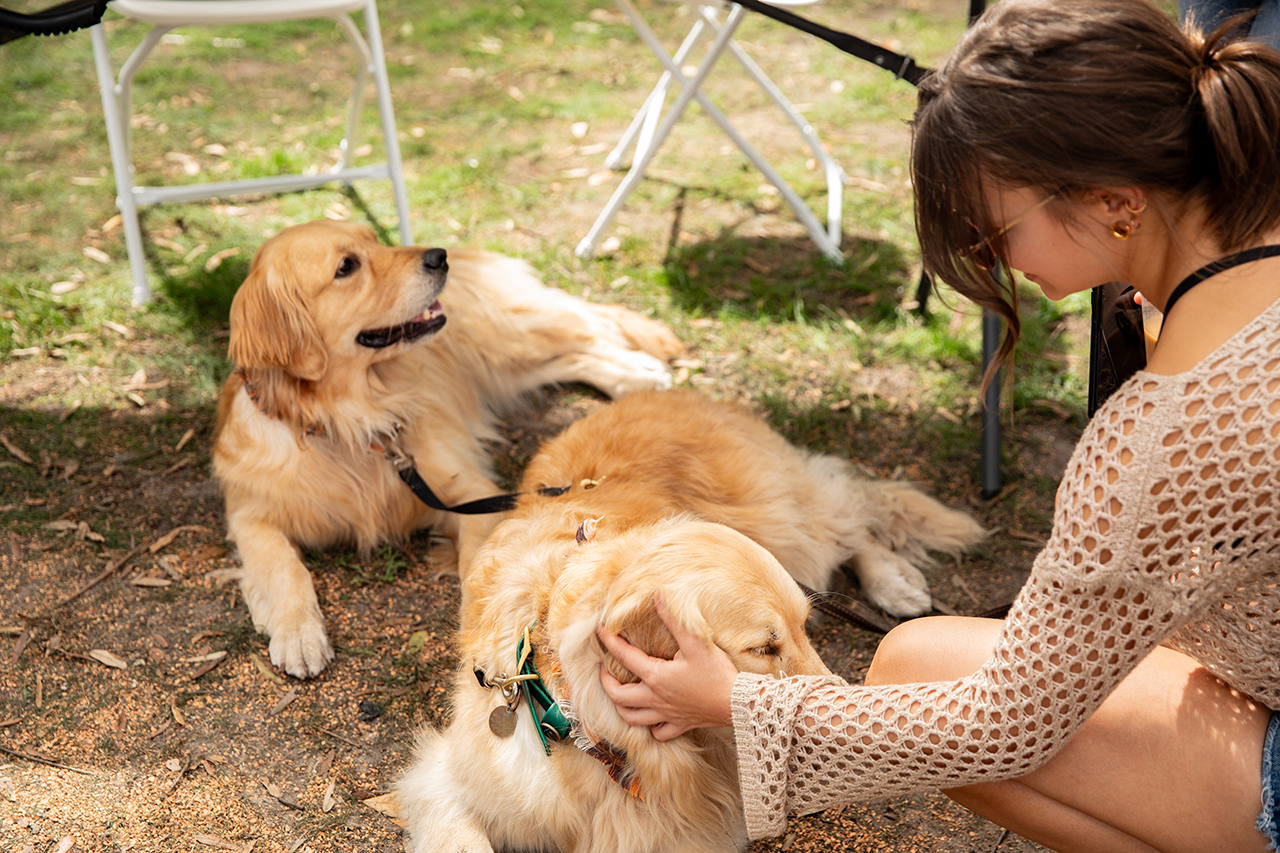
(1069, 95)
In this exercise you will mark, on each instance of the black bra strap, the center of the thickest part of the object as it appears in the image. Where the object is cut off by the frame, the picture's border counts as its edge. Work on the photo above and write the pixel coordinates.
(1213, 268)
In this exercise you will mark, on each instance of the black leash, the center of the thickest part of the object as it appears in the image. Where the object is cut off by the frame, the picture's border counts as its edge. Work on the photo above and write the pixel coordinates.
(408, 471)
(855, 612)
(481, 506)
(903, 67)
(860, 615)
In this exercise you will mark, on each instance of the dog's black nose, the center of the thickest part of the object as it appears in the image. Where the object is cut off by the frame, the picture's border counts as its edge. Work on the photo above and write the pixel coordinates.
(434, 259)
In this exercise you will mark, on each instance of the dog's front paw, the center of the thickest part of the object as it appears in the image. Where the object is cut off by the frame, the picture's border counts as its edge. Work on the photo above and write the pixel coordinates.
(300, 646)
(896, 587)
(619, 372)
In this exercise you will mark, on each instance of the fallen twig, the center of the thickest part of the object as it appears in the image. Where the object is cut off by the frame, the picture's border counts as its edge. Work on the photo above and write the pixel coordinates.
(16, 754)
(345, 740)
(110, 570)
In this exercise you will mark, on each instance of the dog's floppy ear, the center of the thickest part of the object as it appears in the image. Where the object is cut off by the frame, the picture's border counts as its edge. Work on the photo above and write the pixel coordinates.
(636, 620)
(634, 617)
(271, 327)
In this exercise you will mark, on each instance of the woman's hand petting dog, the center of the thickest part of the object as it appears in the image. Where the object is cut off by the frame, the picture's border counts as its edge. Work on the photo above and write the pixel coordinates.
(690, 691)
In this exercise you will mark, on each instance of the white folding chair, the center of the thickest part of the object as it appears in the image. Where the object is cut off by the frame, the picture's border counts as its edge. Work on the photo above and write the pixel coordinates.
(166, 15)
(650, 126)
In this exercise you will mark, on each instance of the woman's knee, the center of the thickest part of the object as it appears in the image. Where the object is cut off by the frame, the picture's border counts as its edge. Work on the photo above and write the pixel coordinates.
(934, 648)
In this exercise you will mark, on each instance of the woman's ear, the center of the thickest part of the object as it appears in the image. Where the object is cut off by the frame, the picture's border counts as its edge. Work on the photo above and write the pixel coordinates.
(271, 327)
(1117, 201)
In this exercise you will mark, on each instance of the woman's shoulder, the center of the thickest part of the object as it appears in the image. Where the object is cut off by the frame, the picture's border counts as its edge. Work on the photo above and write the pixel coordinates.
(1223, 316)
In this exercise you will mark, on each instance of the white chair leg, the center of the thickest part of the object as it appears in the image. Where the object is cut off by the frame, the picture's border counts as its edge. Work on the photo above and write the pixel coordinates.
(689, 90)
(650, 113)
(828, 239)
(364, 61)
(831, 171)
(395, 167)
(117, 115)
(117, 122)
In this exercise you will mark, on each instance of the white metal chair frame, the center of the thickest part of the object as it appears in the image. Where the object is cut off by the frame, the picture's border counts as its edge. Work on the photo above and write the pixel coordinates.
(166, 15)
(650, 127)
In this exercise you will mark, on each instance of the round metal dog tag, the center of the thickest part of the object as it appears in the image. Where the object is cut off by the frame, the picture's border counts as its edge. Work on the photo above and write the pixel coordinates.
(502, 721)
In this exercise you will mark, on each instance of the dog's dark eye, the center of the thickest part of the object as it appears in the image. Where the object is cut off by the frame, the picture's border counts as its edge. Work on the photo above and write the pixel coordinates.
(768, 651)
(347, 267)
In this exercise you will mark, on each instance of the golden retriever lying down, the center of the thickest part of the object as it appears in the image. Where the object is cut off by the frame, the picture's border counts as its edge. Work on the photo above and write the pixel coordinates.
(340, 341)
(670, 493)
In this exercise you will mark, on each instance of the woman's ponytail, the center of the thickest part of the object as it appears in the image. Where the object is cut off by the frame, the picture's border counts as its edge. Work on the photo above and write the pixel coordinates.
(1238, 86)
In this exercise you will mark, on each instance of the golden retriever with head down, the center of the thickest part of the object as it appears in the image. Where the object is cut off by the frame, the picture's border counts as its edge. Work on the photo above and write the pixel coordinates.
(671, 493)
(343, 346)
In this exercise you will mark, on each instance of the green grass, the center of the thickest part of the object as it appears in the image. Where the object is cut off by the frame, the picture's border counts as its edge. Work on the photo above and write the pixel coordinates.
(487, 98)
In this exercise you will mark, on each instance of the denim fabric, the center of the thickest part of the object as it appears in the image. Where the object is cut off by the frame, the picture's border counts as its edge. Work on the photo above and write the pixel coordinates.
(1269, 820)
(1210, 13)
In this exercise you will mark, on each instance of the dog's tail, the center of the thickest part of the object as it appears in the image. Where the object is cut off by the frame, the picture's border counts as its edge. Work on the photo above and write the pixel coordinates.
(913, 523)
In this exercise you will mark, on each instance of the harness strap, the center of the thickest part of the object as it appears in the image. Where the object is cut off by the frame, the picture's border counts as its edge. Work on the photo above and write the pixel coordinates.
(1212, 268)
(903, 67)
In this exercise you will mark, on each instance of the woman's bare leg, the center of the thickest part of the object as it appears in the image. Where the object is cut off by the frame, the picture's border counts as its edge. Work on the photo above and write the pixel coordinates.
(1171, 761)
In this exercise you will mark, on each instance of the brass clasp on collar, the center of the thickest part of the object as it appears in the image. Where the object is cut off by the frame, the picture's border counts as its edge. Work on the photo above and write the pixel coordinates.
(392, 447)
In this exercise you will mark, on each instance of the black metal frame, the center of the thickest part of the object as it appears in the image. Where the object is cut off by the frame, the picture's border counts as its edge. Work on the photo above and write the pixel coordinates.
(54, 21)
(905, 68)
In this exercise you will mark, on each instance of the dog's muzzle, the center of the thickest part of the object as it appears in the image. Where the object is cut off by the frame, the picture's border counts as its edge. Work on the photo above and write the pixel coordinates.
(430, 321)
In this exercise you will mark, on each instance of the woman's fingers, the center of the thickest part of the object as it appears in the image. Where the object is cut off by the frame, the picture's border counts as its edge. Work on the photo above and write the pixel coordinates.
(673, 696)
(634, 702)
(628, 655)
(629, 695)
(666, 731)
(685, 639)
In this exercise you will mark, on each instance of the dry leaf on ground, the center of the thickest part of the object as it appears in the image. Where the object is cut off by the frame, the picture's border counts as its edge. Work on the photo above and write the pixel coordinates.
(285, 701)
(389, 805)
(150, 582)
(216, 259)
(106, 657)
(14, 449)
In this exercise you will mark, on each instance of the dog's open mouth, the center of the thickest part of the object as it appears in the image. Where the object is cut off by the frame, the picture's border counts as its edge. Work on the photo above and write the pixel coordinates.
(428, 322)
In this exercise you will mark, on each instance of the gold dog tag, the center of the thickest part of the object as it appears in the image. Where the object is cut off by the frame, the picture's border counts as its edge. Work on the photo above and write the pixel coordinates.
(502, 721)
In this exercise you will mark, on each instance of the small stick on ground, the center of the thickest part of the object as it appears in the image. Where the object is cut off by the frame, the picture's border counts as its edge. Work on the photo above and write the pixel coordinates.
(44, 761)
(186, 765)
(110, 570)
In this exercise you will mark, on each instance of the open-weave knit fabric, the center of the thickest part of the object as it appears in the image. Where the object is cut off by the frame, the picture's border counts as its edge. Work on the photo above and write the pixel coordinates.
(1166, 531)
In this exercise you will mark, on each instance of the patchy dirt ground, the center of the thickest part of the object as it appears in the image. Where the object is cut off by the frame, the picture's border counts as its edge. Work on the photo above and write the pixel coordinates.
(138, 708)
(139, 711)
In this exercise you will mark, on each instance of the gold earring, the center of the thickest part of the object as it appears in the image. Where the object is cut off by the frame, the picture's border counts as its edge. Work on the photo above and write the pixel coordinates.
(1142, 205)
(1122, 230)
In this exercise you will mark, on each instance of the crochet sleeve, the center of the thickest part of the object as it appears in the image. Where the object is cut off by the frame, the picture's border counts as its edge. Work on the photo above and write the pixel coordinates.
(1164, 513)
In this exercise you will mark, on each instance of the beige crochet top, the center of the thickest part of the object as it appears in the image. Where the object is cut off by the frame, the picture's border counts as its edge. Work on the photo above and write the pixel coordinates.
(1166, 531)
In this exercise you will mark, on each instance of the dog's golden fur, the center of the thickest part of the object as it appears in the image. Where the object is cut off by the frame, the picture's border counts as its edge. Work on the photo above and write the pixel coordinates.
(337, 341)
(670, 493)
